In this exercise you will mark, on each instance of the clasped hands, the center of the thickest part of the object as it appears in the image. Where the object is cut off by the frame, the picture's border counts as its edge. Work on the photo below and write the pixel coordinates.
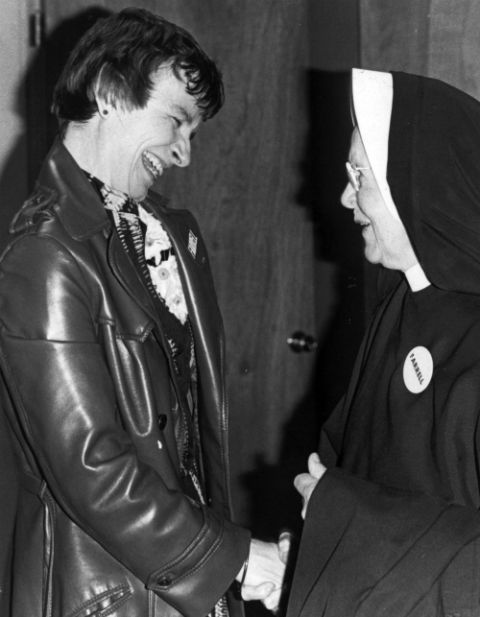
(266, 570)
(267, 561)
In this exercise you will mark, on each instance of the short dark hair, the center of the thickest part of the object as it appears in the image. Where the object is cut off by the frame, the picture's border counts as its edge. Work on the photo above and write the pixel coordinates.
(118, 57)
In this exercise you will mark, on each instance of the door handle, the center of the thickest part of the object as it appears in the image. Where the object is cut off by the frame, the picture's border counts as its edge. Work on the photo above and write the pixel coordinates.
(301, 342)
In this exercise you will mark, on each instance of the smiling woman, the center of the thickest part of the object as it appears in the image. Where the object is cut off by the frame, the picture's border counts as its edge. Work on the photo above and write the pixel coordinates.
(111, 351)
(386, 241)
(129, 149)
(128, 110)
(367, 192)
(394, 529)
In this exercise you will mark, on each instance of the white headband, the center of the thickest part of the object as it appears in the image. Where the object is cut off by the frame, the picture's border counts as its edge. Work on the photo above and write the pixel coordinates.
(372, 97)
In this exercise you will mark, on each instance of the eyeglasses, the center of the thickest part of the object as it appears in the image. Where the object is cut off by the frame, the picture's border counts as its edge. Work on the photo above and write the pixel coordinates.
(353, 174)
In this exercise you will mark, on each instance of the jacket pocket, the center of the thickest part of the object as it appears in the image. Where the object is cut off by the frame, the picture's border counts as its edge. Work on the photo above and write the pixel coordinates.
(104, 604)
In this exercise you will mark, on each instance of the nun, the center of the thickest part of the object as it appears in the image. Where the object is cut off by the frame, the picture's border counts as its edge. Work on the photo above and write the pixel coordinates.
(391, 500)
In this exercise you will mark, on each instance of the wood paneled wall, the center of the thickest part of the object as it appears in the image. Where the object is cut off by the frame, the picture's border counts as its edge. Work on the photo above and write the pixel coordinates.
(437, 38)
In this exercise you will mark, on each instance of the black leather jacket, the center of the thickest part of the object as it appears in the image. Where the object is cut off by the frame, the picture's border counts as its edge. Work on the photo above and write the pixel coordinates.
(103, 527)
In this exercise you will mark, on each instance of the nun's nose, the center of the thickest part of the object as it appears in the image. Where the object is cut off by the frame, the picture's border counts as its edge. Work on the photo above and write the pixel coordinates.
(348, 198)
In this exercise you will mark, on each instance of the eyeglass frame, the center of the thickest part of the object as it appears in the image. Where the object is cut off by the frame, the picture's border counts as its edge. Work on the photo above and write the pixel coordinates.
(353, 173)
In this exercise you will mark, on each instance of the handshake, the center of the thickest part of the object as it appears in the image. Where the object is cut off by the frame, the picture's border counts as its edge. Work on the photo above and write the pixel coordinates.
(261, 577)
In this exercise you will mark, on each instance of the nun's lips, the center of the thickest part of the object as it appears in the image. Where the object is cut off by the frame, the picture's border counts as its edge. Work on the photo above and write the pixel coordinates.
(362, 222)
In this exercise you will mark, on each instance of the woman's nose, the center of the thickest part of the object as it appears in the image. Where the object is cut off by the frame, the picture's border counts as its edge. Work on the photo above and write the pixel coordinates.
(348, 199)
(181, 151)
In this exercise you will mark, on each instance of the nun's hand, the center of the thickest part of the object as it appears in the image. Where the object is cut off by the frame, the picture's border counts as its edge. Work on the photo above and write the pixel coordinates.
(305, 483)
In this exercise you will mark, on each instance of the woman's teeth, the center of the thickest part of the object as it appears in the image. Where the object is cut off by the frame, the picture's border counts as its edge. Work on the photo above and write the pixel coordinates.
(152, 163)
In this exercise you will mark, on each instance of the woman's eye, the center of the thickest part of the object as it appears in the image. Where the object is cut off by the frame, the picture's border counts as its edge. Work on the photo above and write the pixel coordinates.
(176, 121)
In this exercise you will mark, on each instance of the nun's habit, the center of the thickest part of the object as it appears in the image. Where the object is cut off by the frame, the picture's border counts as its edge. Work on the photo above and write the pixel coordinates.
(393, 529)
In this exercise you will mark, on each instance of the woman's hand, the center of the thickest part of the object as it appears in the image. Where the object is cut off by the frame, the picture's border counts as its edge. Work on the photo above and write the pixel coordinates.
(305, 483)
(265, 572)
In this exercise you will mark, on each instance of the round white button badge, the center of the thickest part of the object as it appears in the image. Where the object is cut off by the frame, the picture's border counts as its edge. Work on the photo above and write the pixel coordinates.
(417, 369)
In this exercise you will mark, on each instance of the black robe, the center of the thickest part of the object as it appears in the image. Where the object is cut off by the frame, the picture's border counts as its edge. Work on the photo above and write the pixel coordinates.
(426, 441)
(371, 551)
(394, 529)
(384, 535)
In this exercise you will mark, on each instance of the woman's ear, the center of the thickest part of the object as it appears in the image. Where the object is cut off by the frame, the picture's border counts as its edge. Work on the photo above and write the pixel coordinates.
(103, 106)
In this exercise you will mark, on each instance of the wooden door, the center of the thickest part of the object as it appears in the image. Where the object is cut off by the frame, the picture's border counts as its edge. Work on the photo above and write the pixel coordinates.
(245, 185)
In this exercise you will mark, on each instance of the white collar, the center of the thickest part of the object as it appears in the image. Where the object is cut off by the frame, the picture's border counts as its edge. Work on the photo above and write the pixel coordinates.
(417, 278)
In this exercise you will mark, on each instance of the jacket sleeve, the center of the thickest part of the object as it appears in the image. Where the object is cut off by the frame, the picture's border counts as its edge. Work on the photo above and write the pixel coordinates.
(331, 435)
(368, 549)
(66, 404)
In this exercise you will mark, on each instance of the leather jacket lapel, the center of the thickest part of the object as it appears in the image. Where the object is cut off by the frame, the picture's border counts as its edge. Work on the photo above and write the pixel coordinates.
(208, 333)
(128, 276)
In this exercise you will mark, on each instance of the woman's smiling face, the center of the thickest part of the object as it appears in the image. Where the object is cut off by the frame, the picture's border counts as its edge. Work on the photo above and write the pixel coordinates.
(143, 143)
(386, 241)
